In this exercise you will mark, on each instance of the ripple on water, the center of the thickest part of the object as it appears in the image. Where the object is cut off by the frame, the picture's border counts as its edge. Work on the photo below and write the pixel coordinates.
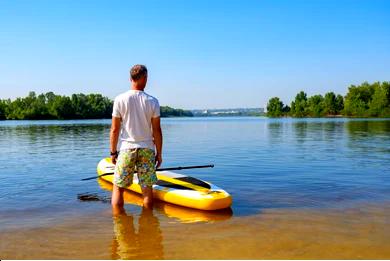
(264, 163)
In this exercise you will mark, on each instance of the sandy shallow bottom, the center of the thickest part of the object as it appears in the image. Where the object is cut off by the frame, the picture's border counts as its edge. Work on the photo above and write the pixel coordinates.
(360, 232)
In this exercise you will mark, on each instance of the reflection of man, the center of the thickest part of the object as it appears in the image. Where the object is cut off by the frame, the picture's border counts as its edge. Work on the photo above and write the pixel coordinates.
(146, 244)
(136, 117)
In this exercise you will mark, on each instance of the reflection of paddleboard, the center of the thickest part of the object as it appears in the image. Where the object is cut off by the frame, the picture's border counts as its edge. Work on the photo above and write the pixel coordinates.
(177, 189)
(185, 215)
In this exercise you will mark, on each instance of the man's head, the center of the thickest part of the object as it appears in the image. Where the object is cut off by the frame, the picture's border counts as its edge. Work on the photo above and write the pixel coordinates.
(139, 76)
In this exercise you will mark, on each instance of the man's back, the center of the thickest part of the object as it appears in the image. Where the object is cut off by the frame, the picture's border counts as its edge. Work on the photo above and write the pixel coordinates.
(136, 110)
(136, 117)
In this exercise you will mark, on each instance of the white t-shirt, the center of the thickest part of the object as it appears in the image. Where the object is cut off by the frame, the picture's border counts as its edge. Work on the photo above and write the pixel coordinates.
(136, 109)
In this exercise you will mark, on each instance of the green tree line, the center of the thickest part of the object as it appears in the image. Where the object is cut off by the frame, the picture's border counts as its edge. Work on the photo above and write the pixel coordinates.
(77, 106)
(365, 100)
(167, 111)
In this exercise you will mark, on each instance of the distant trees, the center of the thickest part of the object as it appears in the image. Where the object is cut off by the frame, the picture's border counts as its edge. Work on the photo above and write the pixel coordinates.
(316, 106)
(3, 106)
(368, 100)
(77, 106)
(380, 102)
(298, 106)
(167, 111)
(52, 106)
(365, 100)
(275, 107)
(330, 103)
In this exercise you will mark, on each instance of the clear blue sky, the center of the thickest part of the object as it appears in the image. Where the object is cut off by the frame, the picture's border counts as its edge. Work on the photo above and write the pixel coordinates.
(200, 54)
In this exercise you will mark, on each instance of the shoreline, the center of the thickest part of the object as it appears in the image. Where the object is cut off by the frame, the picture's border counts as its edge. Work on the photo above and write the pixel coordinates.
(359, 232)
(212, 117)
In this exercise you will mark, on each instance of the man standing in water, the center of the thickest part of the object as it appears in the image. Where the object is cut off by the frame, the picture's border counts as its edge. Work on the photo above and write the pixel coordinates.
(136, 117)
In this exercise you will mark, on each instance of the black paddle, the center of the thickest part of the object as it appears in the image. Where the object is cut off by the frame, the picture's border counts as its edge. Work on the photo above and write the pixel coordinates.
(162, 169)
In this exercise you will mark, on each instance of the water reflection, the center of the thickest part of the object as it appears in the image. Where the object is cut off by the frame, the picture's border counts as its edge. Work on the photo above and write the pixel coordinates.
(275, 131)
(320, 131)
(51, 138)
(300, 129)
(358, 129)
(144, 244)
(333, 131)
(368, 137)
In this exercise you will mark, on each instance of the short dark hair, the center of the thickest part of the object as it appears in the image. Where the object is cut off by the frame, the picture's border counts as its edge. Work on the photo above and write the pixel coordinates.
(138, 71)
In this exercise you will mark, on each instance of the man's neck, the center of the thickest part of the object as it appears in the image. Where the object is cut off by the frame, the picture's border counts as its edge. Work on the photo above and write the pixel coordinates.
(137, 88)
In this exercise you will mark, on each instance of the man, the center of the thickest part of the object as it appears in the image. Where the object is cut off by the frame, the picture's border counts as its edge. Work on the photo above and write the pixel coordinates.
(136, 117)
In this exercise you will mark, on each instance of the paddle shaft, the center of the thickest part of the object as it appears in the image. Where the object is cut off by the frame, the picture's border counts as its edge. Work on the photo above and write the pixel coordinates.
(162, 169)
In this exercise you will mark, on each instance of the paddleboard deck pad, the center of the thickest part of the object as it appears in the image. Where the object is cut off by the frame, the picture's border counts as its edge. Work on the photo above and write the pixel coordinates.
(177, 189)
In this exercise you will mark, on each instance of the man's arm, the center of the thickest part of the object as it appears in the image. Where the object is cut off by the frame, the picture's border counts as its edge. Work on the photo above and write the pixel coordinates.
(114, 135)
(158, 139)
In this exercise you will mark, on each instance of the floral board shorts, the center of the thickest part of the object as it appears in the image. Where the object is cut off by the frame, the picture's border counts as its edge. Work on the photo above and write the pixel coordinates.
(141, 160)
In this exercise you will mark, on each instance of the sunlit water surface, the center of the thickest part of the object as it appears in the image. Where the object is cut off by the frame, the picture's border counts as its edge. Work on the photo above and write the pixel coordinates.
(296, 184)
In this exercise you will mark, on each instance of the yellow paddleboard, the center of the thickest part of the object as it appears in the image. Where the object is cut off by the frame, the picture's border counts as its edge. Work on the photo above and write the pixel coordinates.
(177, 189)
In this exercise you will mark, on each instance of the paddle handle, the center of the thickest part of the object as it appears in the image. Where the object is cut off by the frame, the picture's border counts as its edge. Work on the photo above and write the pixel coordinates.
(162, 169)
(187, 167)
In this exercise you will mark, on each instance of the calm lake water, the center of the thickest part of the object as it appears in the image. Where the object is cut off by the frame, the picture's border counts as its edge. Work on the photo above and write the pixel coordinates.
(295, 166)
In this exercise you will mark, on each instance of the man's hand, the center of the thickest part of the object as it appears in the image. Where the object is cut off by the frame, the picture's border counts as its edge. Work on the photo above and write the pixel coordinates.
(158, 160)
(113, 159)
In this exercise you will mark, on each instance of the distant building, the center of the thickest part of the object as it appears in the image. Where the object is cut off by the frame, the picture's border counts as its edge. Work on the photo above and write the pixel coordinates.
(229, 112)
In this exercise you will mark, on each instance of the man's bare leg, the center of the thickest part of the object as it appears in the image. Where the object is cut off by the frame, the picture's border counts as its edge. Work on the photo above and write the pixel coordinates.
(147, 193)
(117, 200)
